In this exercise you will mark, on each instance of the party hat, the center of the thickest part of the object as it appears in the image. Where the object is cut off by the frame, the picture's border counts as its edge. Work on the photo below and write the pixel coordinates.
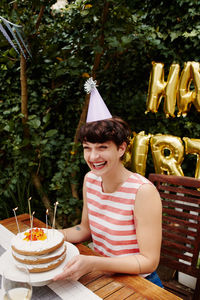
(97, 109)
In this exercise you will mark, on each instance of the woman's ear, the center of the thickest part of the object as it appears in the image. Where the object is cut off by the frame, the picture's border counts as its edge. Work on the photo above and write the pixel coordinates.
(122, 148)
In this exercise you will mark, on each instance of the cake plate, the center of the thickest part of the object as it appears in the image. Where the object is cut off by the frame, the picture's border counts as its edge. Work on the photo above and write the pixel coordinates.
(37, 279)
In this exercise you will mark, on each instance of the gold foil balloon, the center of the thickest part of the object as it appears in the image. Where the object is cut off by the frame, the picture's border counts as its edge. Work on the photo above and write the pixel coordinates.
(128, 155)
(156, 87)
(186, 96)
(167, 152)
(192, 146)
(139, 153)
(159, 88)
(171, 90)
(196, 76)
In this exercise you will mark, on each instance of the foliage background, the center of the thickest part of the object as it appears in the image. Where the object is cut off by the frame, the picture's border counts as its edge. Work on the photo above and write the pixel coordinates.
(116, 42)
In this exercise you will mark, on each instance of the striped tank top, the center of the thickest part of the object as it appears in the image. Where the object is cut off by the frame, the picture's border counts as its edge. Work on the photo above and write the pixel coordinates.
(111, 215)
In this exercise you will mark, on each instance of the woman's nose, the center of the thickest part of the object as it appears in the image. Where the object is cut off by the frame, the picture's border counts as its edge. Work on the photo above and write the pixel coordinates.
(94, 155)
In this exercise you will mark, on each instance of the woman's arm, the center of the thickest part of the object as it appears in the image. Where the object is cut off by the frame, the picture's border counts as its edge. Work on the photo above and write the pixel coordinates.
(148, 218)
(81, 232)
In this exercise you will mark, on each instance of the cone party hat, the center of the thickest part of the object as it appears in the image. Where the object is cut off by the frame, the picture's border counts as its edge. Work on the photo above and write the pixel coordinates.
(97, 109)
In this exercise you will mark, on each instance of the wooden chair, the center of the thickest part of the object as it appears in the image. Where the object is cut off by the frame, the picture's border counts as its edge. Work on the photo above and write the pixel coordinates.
(181, 230)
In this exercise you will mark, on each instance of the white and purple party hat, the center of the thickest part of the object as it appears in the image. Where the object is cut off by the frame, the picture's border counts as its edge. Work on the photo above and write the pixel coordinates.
(97, 109)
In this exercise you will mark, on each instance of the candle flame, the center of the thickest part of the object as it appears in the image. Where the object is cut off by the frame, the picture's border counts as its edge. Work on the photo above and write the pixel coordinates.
(29, 199)
(47, 211)
(16, 208)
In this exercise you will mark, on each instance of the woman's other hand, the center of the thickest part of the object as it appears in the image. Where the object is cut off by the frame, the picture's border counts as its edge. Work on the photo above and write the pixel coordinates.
(78, 266)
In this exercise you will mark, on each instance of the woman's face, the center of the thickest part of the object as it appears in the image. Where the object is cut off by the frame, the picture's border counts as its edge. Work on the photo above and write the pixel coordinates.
(103, 157)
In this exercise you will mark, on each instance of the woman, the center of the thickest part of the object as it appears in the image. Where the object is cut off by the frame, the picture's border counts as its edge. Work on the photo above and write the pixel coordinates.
(121, 212)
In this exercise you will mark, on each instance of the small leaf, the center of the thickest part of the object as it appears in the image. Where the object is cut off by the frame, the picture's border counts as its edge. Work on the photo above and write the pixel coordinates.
(35, 123)
(51, 132)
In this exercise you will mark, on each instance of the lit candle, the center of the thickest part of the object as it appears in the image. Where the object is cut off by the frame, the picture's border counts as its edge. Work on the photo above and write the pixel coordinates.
(47, 211)
(32, 224)
(54, 217)
(29, 208)
(14, 210)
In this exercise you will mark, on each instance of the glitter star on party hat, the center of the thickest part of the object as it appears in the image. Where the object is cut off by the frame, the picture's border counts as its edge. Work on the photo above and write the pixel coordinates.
(97, 109)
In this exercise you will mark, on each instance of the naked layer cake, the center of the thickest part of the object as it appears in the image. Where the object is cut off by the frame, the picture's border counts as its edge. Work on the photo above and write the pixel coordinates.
(40, 249)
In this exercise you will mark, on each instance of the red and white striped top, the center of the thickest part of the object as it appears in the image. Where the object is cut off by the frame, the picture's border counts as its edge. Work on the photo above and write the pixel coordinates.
(111, 215)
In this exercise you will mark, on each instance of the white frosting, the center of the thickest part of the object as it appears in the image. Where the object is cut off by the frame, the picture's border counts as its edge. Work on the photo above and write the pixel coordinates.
(54, 237)
(45, 265)
(44, 256)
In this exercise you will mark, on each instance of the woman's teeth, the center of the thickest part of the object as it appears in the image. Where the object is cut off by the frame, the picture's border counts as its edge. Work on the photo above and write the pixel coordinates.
(98, 165)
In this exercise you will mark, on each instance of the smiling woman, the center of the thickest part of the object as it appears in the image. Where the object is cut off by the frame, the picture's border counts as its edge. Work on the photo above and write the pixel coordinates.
(121, 211)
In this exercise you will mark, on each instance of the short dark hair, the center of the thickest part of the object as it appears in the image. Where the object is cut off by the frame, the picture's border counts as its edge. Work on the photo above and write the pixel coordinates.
(114, 129)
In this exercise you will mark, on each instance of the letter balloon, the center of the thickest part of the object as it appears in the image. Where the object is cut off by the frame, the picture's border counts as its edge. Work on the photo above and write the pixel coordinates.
(192, 146)
(167, 152)
(139, 153)
(187, 96)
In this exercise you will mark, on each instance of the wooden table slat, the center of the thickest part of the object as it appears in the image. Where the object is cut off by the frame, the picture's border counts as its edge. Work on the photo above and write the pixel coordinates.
(109, 289)
(90, 277)
(122, 293)
(136, 296)
(99, 283)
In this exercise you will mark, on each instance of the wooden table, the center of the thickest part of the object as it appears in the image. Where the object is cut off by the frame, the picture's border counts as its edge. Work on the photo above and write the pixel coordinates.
(106, 286)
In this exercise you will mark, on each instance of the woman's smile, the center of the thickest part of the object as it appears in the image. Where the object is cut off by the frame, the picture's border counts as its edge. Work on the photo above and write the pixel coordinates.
(98, 165)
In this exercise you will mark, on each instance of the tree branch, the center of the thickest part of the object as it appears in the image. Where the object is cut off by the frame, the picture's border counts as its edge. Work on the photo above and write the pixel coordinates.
(39, 19)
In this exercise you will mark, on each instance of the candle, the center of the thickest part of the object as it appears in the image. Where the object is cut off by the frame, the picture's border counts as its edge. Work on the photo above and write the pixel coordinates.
(29, 208)
(47, 211)
(54, 216)
(14, 210)
(32, 224)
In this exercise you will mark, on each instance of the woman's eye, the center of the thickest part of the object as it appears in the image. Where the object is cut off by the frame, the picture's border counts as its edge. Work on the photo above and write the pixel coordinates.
(103, 147)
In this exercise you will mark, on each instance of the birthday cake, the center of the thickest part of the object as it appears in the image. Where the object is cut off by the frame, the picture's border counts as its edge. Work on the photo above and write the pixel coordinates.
(40, 249)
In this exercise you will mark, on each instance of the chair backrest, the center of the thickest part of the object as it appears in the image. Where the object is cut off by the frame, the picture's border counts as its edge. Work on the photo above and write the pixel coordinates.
(181, 221)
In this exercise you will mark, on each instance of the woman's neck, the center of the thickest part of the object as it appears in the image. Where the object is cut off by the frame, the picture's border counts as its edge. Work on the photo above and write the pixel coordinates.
(111, 182)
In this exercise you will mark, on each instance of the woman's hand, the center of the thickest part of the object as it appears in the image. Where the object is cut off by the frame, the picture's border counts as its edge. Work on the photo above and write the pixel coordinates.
(78, 266)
